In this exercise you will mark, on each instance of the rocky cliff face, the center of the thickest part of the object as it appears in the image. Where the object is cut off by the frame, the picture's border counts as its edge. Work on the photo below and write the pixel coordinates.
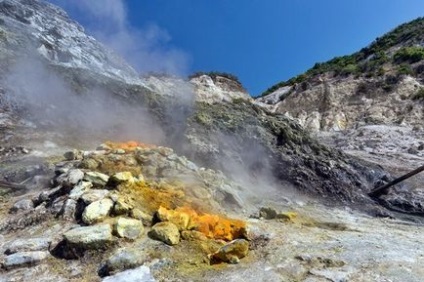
(42, 28)
(368, 104)
(339, 104)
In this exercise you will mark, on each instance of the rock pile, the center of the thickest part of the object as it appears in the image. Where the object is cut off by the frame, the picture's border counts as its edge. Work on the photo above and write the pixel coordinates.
(130, 192)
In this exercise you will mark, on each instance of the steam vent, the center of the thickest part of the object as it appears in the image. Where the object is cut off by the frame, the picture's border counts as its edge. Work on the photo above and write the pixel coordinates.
(113, 168)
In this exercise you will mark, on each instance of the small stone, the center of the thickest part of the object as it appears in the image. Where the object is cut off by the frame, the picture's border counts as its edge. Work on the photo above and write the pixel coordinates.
(119, 178)
(89, 163)
(124, 259)
(145, 218)
(69, 209)
(89, 237)
(98, 179)
(128, 228)
(267, 213)
(119, 151)
(73, 155)
(70, 178)
(94, 195)
(79, 190)
(56, 207)
(22, 205)
(231, 252)
(97, 211)
(103, 147)
(288, 216)
(180, 219)
(166, 232)
(193, 235)
(24, 259)
(138, 274)
(27, 245)
(122, 207)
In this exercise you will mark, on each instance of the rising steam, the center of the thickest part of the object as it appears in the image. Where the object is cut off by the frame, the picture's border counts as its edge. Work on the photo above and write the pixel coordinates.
(146, 49)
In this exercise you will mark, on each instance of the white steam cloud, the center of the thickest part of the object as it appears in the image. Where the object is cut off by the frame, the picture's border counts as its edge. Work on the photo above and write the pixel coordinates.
(76, 119)
(147, 49)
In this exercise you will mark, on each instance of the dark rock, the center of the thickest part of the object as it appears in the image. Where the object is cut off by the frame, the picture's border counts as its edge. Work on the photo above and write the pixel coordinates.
(268, 213)
(73, 155)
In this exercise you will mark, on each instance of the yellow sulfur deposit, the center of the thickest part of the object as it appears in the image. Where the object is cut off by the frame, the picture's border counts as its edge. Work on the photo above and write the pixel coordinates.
(128, 146)
(211, 225)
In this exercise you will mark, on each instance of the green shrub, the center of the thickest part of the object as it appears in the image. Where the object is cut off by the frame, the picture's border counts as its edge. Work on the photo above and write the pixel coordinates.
(405, 69)
(214, 74)
(409, 54)
(349, 69)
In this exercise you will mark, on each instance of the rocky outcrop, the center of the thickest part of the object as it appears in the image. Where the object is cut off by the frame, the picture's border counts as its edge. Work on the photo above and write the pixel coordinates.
(40, 26)
(339, 104)
(220, 89)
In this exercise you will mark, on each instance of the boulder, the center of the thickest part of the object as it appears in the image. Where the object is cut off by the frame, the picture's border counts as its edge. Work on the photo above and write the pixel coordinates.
(98, 179)
(89, 237)
(24, 259)
(138, 274)
(166, 232)
(28, 245)
(128, 228)
(231, 252)
(97, 211)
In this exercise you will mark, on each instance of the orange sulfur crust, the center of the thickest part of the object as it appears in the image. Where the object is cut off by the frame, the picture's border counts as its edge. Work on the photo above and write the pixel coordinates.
(128, 146)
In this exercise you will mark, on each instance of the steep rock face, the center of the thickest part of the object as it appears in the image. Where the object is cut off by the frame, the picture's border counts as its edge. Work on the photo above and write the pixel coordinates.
(44, 28)
(368, 104)
(219, 89)
(344, 103)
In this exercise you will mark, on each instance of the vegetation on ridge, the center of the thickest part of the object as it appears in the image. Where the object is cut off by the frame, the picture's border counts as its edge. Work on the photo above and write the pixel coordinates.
(370, 61)
(215, 74)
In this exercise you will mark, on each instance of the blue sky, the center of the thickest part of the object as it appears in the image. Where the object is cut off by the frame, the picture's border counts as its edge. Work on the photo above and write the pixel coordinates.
(261, 41)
